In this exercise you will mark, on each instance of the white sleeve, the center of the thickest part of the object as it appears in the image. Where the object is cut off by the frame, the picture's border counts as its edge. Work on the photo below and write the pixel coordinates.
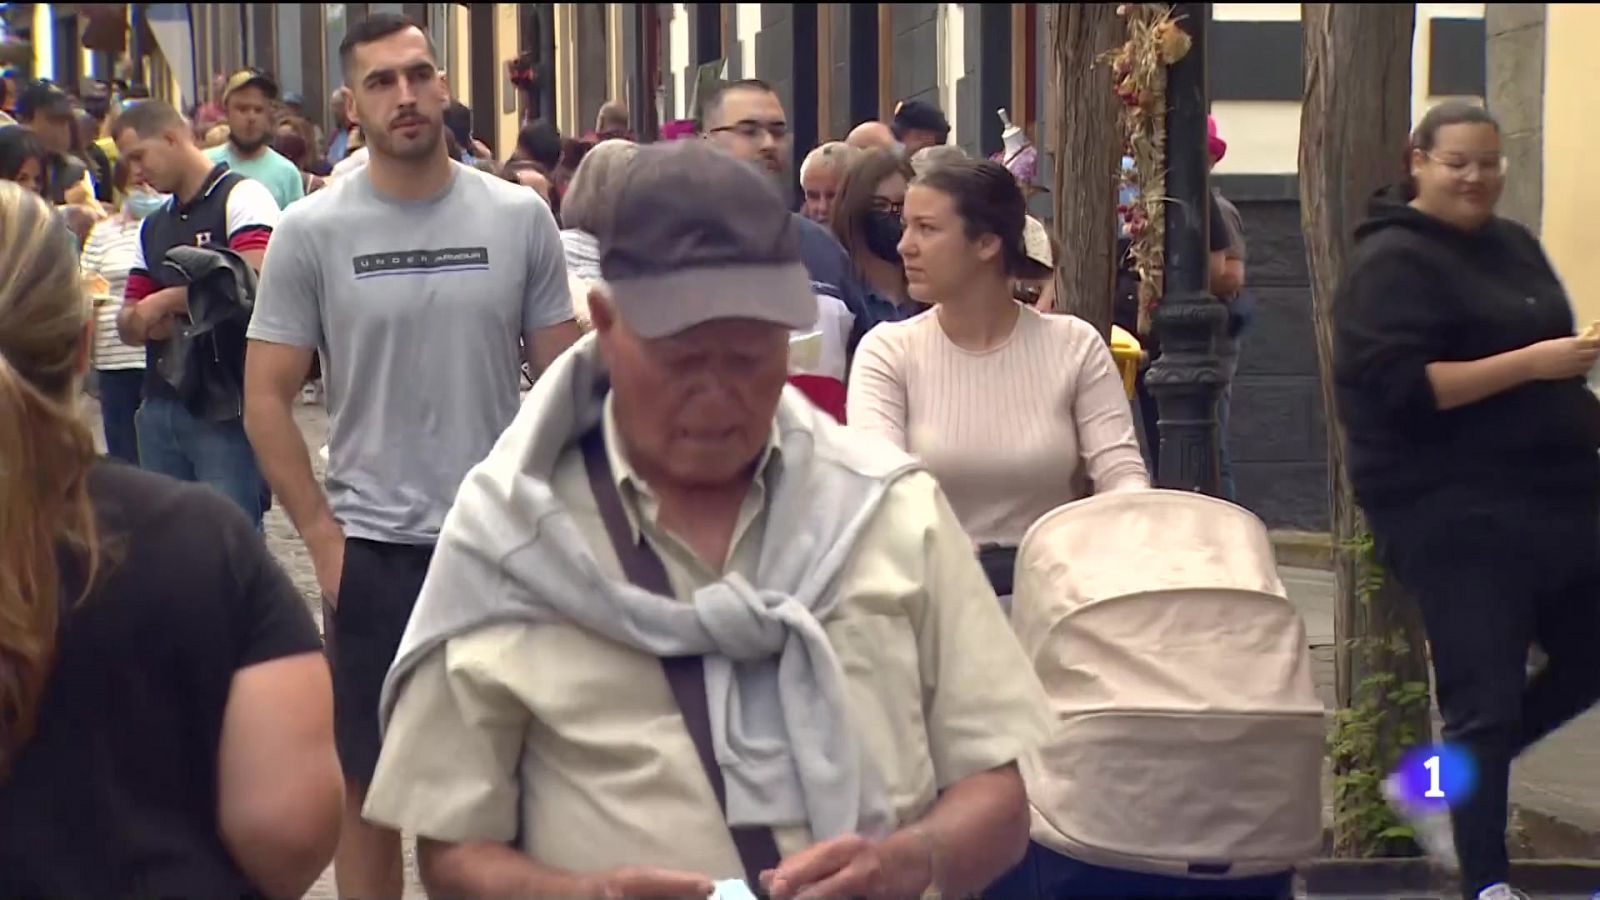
(251, 207)
(140, 282)
(288, 307)
(89, 261)
(547, 298)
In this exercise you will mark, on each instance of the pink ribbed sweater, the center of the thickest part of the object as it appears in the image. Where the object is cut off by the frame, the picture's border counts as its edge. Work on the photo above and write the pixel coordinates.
(1009, 432)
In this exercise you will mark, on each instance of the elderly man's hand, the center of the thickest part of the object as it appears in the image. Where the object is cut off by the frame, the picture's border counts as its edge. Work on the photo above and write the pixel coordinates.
(854, 866)
(643, 883)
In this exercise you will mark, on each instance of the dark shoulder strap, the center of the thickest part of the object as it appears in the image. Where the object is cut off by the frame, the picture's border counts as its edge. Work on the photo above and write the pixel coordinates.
(758, 851)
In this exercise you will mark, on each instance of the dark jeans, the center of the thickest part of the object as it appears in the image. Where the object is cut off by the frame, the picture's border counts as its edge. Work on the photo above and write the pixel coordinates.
(1494, 570)
(175, 443)
(121, 392)
(1047, 875)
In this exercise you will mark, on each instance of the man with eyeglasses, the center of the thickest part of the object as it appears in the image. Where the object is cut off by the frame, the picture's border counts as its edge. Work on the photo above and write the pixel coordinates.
(745, 119)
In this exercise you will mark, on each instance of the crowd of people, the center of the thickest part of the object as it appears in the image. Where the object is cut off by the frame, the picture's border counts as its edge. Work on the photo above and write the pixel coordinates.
(608, 610)
(58, 144)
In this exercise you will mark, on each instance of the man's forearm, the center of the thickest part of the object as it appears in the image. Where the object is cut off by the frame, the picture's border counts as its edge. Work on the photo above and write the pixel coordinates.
(540, 348)
(975, 833)
(493, 871)
(136, 321)
(286, 463)
(171, 301)
(130, 327)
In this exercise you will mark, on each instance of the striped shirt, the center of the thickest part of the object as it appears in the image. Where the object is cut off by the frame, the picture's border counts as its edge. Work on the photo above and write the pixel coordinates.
(110, 251)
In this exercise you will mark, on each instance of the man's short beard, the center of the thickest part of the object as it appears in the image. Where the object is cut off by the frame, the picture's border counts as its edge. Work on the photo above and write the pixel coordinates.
(247, 148)
(380, 141)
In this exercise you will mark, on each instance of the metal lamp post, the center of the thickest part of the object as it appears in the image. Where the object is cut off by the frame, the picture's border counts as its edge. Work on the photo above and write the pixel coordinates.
(1187, 379)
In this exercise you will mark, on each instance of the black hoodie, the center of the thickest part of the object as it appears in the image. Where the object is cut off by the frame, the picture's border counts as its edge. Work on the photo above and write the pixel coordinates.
(1420, 291)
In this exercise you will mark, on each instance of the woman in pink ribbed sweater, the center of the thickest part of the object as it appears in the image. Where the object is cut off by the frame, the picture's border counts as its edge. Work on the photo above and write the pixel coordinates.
(1013, 410)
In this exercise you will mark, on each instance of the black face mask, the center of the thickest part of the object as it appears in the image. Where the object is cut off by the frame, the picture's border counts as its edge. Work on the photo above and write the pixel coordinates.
(883, 233)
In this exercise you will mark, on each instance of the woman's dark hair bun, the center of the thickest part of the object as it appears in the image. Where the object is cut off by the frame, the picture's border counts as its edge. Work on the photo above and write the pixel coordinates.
(989, 201)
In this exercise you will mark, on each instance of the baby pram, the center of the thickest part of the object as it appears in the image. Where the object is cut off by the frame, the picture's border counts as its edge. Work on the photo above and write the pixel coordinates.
(1189, 737)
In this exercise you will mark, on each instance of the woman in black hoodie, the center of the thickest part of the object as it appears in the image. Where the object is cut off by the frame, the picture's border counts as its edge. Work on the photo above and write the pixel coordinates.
(1474, 449)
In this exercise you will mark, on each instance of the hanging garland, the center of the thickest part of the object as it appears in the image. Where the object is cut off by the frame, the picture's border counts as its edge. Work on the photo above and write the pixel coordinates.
(1139, 77)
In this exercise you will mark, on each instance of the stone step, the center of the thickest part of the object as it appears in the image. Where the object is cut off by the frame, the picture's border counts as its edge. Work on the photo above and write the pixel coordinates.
(1305, 549)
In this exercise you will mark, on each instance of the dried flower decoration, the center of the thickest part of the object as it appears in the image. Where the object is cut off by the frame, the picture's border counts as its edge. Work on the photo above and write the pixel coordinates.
(1139, 77)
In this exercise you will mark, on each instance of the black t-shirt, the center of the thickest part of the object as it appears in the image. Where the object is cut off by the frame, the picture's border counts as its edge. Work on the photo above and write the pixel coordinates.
(116, 794)
(62, 174)
(1219, 237)
(1125, 303)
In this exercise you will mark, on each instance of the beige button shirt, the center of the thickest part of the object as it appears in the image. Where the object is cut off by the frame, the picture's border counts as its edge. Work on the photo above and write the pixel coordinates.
(579, 738)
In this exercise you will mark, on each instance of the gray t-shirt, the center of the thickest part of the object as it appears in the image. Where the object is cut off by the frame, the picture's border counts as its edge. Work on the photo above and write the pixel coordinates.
(418, 309)
(1228, 346)
(1235, 222)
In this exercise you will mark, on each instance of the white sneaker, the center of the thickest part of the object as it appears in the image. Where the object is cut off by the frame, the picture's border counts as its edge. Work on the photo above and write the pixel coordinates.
(1501, 891)
(1431, 827)
(310, 394)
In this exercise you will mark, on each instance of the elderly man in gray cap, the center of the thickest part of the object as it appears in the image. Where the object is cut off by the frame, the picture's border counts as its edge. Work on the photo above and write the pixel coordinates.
(681, 628)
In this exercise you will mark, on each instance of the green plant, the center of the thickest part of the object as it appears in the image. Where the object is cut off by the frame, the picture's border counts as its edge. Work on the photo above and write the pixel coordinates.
(1372, 733)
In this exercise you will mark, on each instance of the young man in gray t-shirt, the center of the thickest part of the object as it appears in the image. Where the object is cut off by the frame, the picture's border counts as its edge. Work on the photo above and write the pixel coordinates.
(424, 284)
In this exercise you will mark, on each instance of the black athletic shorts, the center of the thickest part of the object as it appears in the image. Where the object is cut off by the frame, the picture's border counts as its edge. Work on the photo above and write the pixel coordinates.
(377, 591)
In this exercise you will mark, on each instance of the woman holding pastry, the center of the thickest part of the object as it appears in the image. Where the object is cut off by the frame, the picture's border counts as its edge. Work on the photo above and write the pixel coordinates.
(1474, 450)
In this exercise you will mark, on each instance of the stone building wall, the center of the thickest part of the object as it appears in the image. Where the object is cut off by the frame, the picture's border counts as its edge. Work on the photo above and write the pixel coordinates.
(1514, 43)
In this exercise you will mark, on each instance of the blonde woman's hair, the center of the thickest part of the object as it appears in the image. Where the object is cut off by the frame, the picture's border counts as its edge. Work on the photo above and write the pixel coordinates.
(46, 451)
(589, 195)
